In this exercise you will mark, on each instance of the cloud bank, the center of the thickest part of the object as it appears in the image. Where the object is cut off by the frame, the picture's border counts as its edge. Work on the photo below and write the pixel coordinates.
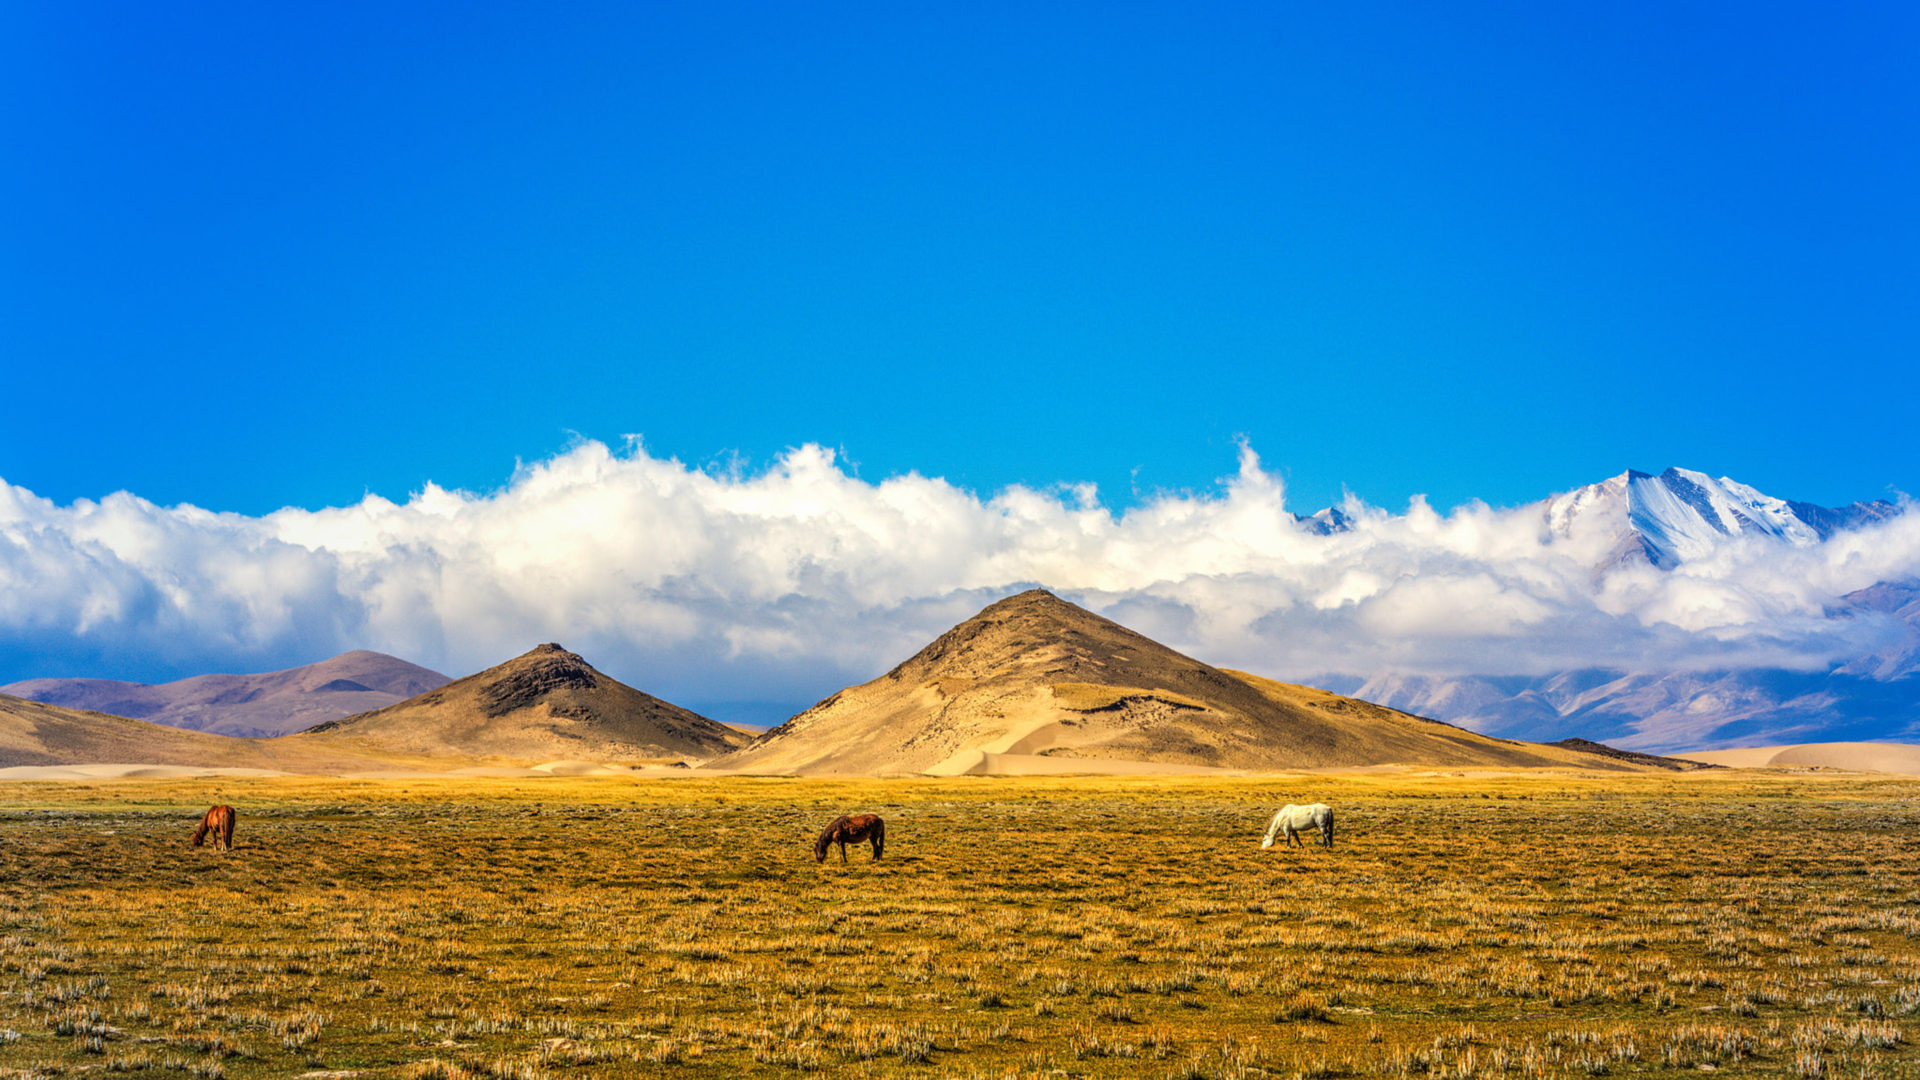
(779, 586)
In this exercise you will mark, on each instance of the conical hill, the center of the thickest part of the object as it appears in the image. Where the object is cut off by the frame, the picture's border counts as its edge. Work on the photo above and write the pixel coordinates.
(1035, 683)
(547, 704)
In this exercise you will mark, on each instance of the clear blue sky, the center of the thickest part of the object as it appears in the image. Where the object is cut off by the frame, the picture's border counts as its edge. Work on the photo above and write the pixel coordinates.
(255, 255)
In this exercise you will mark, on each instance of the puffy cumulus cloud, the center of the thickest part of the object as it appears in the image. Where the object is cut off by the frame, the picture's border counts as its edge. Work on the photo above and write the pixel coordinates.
(781, 585)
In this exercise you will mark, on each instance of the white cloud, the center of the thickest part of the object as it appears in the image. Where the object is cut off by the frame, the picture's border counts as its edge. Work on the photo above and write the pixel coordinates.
(785, 584)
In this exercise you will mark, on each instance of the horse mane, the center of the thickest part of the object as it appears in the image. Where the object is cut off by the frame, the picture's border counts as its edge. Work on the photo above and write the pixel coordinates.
(827, 836)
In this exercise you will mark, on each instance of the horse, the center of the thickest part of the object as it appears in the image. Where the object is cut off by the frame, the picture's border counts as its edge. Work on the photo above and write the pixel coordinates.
(851, 830)
(1294, 819)
(218, 821)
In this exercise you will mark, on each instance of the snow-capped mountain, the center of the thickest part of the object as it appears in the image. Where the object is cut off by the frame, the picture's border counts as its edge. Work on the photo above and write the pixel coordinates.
(1324, 522)
(1681, 514)
(1669, 518)
(1665, 520)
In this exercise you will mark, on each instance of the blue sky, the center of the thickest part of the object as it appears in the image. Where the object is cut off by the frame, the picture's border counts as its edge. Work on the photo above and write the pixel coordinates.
(254, 257)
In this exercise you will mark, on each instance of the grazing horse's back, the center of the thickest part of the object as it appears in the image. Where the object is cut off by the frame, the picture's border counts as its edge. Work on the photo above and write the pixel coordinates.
(218, 821)
(1294, 819)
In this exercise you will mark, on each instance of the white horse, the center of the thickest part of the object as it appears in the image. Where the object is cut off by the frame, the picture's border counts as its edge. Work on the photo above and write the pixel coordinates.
(1293, 820)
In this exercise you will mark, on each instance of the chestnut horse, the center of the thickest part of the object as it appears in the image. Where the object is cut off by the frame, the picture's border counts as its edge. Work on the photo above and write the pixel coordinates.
(851, 830)
(218, 821)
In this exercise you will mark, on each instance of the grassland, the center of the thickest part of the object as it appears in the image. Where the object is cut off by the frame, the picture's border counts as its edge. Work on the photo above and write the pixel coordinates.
(1525, 927)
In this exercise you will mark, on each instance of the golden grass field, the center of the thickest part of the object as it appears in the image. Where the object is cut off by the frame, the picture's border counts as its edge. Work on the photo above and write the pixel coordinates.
(1509, 927)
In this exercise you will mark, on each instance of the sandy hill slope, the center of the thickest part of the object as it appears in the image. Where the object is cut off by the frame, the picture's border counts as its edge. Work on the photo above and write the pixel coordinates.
(1859, 756)
(547, 704)
(1034, 677)
(33, 733)
(267, 704)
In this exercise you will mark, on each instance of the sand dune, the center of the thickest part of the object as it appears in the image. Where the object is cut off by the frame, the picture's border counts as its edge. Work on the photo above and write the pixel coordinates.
(151, 771)
(1856, 756)
(565, 768)
(983, 763)
(125, 771)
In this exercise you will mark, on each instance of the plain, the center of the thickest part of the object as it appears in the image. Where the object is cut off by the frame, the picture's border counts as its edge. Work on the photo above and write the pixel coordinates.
(1463, 926)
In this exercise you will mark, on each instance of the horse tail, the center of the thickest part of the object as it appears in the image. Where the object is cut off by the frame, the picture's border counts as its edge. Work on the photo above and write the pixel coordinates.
(232, 818)
(1329, 828)
(879, 837)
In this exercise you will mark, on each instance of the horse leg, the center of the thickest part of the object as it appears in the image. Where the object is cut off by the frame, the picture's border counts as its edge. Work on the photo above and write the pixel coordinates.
(843, 853)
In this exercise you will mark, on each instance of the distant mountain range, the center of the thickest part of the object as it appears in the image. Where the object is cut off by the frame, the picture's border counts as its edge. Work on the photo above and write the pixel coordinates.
(1665, 521)
(1670, 518)
(1634, 520)
(1031, 684)
(1681, 514)
(255, 706)
(546, 706)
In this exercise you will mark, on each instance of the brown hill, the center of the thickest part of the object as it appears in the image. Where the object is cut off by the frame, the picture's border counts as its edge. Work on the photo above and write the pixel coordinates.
(1671, 764)
(545, 705)
(1034, 676)
(35, 733)
(267, 704)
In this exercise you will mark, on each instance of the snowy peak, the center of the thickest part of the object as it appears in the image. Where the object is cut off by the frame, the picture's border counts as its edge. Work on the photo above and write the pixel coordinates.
(1667, 519)
(1324, 522)
(1725, 505)
(1681, 515)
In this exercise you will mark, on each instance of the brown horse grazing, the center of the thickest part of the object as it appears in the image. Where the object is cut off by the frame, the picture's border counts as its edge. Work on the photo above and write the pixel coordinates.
(218, 821)
(851, 830)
